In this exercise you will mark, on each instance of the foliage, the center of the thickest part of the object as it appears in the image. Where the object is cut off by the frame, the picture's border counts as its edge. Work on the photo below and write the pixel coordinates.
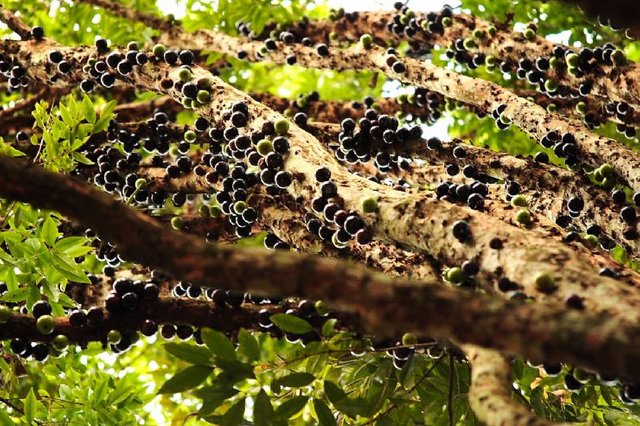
(248, 376)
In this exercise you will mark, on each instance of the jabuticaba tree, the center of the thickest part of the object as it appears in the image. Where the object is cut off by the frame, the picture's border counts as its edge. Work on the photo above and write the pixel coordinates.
(305, 247)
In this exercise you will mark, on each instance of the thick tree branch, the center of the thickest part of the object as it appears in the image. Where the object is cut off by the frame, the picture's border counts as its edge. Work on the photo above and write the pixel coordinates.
(14, 23)
(387, 306)
(491, 388)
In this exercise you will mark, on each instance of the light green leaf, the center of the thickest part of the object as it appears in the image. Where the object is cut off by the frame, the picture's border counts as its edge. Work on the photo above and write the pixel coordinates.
(88, 109)
(50, 231)
(30, 407)
(291, 323)
(17, 295)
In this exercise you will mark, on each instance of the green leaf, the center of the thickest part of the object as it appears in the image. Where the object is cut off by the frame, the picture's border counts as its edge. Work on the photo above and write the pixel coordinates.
(191, 353)
(88, 109)
(105, 116)
(234, 415)
(295, 380)
(248, 345)
(212, 397)
(30, 407)
(334, 392)
(328, 327)
(50, 231)
(324, 414)
(5, 420)
(291, 407)
(81, 158)
(291, 323)
(218, 343)
(186, 379)
(17, 295)
(262, 410)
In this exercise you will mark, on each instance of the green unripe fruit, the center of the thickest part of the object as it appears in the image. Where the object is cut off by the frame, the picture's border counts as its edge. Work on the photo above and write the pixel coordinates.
(491, 61)
(572, 60)
(190, 136)
(608, 183)
(572, 71)
(597, 175)
(177, 223)
(5, 314)
(492, 30)
(159, 49)
(184, 74)
(455, 275)
(545, 283)
(591, 240)
(478, 34)
(404, 19)
(552, 108)
(550, 86)
(264, 147)
(606, 170)
(411, 98)
(581, 107)
(322, 308)
(403, 98)
(45, 324)
(519, 201)
(203, 211)
(469, 44)
(187, 103)
(370, 205)
(288, 113)
(239, 207)
(446, 22)
(491, 68)
(140, 183)
(333, 35)
(523, 216)
(553, 62)
(263, 51)
(114, 337)
(410, 13)
(61, 342)
(450, 106)
(366, 40)
(203, 96)
(529, 34)
(282, 126)
(174, 151)
(409, 339)
(215, 212)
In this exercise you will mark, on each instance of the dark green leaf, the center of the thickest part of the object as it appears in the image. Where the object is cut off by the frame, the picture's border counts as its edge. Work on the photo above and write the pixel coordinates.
(234, 415)
(186, 379)
(212, 397)
(334, 392)
(295, 380)
(291, 407)
(191, 353)
(262, 410)
(248, 345)
(218, 343)
(324, 414)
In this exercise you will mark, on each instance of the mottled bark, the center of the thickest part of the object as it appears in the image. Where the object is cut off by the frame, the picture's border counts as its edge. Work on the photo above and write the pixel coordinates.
(387, 306)
(491, 389)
